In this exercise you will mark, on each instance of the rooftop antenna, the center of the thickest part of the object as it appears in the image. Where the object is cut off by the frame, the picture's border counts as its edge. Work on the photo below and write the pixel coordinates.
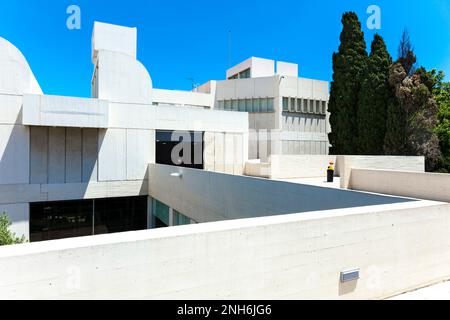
(230, 39)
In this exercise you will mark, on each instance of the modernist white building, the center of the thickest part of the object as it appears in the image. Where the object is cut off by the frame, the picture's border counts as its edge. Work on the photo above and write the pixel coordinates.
(75, 150)
(287, 114)
(72, 167)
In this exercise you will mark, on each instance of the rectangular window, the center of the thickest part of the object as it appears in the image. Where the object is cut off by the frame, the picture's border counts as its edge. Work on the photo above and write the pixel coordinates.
(324, 107)
(292, 105)
(120, 215)
(180, 219)
(256, 105)
(285, 104)
(318, 107)
(248, 105)
(263, 105)
(234, 105)
(311, 106)
(227, 105)
(244, 74)
(242, 105)
(270, 105)
(161, 213)
(305, 105)
(166, 141)
(221, 105)
(298, 107)
(68, 219)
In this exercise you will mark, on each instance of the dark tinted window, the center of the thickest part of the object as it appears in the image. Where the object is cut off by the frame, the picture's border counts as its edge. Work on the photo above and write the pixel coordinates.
(166, 141)
(120, 215)
(59, 220)
(68, 219)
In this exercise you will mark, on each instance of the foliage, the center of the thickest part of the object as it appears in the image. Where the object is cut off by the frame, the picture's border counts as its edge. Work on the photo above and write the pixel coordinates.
(406, 56)
(6, 236)
(418, 113)
(349, 65)
(441, 92)
(373, 100)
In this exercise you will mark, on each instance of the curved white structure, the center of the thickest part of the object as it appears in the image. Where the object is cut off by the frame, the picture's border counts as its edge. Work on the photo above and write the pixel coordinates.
(16, 76)
(118, 75)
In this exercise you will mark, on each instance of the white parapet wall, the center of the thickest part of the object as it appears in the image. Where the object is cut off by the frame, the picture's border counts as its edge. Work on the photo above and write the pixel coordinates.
(314, 166)
(212, 196)
(397, 248)
(58, 111)
(430, 186)
(347, 163)
(290, 166)
(296, 166)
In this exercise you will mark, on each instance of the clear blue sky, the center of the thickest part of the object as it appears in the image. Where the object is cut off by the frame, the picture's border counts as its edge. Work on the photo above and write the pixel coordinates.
(178, 39)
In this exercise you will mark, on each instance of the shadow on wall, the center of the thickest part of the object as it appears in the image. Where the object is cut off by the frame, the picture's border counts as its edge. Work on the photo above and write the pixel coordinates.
(347, 287)
(209, 196)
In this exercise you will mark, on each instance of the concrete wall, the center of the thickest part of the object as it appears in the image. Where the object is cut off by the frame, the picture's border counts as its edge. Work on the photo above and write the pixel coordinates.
(259, 67)
(63, 155)
(345, 164)
(57, 111)
(113, 38)
(256, 168)
(289, 167)
(182, 98)
(287, 69)
(430, 186)
(397, 248)
(211, 196)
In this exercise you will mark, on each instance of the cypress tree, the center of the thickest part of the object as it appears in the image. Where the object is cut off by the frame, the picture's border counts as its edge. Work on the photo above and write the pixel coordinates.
(373, 100)
(395, 138)
(349, 64)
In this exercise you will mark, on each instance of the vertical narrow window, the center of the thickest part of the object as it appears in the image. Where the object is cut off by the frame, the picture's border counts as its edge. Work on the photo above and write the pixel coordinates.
(161, 215)
(256, 105)
(311, 106)
(318, 107)
(248, 105)
(221, 105)
(263, 105)
(270, 105)
(292, 105)
(241, 105)
(298, 107)
(305, 105)
(324, 107)
(285, 104)
(227, 105)
(234, 105)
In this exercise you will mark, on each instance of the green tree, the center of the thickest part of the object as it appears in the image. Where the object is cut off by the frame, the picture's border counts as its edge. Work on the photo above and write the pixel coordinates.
(349, 65)
(417, 114)
(441, 92)
(395, 137)
(6, 236)
(374, 99)
(406, 56)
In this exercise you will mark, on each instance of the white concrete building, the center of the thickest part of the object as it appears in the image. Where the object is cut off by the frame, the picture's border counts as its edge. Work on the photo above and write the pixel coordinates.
(73, 167)
(287, 114)
(76, 150)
